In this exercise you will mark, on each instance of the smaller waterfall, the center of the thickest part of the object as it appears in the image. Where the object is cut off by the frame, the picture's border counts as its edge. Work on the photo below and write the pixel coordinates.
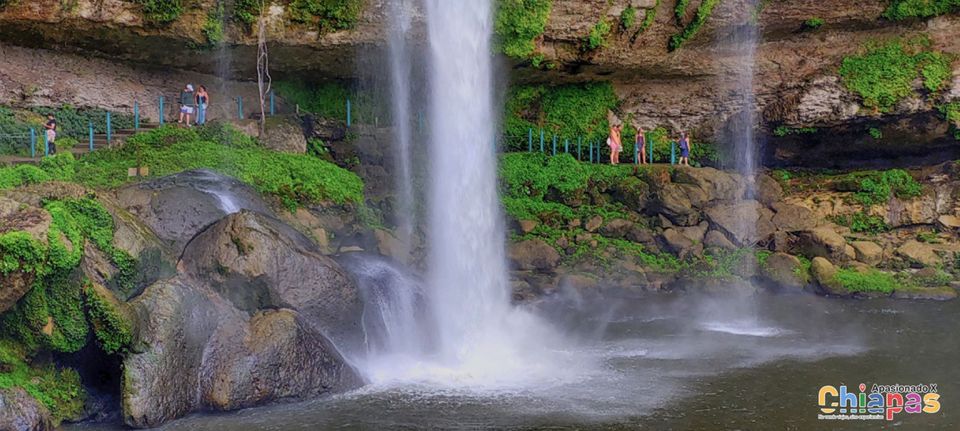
(401, 69)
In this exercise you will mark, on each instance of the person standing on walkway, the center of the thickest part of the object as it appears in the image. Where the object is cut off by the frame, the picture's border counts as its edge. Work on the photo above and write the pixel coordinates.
(642, 145)
(51, 131)
(186, 105)
(202, 100)
(685, 148)
(615, 144)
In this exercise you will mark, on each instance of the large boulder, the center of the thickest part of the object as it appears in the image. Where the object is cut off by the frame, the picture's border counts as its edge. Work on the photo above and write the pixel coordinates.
(717, 240)
(793, 218)
(35, 222)
(918, 253)
(785, 271)
(825, 274)
(617, 228)
(633, 192)
(717, 184)
(824, 242)
(868, 252)
(177, 207)
(768, 190)
(257, 262)
(680, 203)
(745, 222)
(284, 134)
(21, 412)
(534, 254)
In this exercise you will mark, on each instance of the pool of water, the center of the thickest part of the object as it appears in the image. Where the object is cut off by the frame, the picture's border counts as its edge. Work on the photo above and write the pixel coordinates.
(669, 362)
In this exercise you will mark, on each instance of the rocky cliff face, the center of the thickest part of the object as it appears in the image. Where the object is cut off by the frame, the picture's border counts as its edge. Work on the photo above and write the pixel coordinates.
(797, 80)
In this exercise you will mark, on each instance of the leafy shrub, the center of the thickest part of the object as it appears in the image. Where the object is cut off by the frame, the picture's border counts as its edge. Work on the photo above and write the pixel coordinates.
(951, 113)
(782, 131)
(875, 133)
(18, 175)
(113, 331)
(598, 36)
(224, 134)
(884, 74)
(246, 11)
(876, 188)
(870, 281)
(518, 23)
(328, 100)
(15, 132)
(75, 122)
(649, 16)
(680, 11)
(329, 15)
(628, 17)
(161, 12)
(813, 23)
(59, 390)
(575, 112)
(213, 26)
(691, 30)
(904, 9)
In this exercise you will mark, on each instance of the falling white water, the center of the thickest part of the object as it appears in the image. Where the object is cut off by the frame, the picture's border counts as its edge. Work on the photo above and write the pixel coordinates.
(744, 49)
(477, 339)
(401, 80)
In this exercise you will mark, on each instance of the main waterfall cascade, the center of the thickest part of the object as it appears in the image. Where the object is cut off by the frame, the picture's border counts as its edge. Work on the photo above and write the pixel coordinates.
(476, 337)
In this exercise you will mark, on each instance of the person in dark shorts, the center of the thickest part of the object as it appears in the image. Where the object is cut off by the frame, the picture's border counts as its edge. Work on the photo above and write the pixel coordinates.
(684, 149)
(51, 131)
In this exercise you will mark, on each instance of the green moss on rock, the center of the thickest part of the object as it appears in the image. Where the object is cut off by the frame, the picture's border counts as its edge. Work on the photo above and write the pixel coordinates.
(58, 389)
(112, 325)
(518, 24)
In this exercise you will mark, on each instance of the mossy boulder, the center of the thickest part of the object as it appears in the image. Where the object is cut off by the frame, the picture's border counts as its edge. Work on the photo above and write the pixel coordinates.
(20, 412)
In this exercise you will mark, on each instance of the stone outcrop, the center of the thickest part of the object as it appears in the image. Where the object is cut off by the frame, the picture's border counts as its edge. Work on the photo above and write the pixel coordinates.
(20, 412)
(248, 320)
(533, 254)
(284, 134)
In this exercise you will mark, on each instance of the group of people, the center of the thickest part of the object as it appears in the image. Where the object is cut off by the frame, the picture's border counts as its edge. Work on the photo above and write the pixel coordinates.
(193, 101)
(615, 142)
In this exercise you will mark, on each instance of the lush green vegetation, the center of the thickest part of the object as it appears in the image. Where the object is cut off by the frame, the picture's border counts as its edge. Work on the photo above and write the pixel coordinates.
(869, 281)
(782, 131)
(628, 17)
(327, 99)
(861, 222)
(680, 11)
(59, 390)
(649, 16)
(518, 24)
(876, 188)
(598, 36)
(884, 74)
(567, 111)
(875, 133)
(813, 23)
(15, 131)
(114, 332)
(213, 26)
(905, 9)
(691, 30)
(246, 11)
(161, 12)
(328, 15)
(951, 112)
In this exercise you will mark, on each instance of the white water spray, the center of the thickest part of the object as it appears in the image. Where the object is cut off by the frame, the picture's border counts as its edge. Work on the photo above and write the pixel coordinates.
(477, 339)
(401, 75)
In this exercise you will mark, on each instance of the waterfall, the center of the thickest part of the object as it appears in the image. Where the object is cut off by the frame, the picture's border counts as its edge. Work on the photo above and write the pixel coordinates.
(401, 67)
(458, 328)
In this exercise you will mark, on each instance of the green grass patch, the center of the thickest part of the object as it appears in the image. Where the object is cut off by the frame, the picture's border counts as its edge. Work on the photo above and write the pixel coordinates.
(518, 24)
(246, 11)
(327, 15)
(649, 16)
(628, 17)
(869, 281)
(906, 9)
(161, 12)
(781, 131)
(597, 38)
(813, 23)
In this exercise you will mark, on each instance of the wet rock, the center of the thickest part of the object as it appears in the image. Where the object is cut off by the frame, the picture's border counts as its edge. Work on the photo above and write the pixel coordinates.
(676, 203)
(793, 218)
(695, 233)
(593, 224)
(284, 134)
(716, 239)
(676, 242)
(918, 253)
(617, 228)
(534, 254)
(942, 293)
(527, 226)
(633, 192)
(784, 270)
(21, 412)
(641, 236)
(824, 242)
(825, 275)
(179, 206)
(868, 252)
(388, 245)
(745, 222)
(949, 221)
(256, 262)
(768, 190)
(716, 184)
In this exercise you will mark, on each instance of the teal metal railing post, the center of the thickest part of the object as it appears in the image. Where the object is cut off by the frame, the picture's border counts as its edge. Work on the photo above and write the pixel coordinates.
(90, 135)
(109, 129)
(272, 104)
(591, 152)
(650, 152)
(136, 115)
(161, 110)
(349, 114)
(673, 153)
(46, 144)
(566, 146)
(579, 148)
(530, 140)
(239, 107)
(554, 145)
(636, 154)
(33, 142)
